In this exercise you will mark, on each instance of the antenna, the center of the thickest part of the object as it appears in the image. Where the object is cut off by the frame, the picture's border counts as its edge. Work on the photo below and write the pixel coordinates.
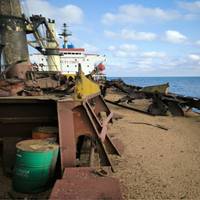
(65, 35)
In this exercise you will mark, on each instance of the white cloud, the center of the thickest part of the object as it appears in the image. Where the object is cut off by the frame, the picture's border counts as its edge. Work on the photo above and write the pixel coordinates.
(190, 6)
(133, 13)
(90, 48)
(133, 35)
(153, 64)
(127, 34)
(124, 50)
(111, 34)
(175, 37)
(198, 42)
(120, 53)
(128, 47)
(154, 54)
(194, 57)
(132, 51)
(191, 16)
(111, 48)
(70, 14)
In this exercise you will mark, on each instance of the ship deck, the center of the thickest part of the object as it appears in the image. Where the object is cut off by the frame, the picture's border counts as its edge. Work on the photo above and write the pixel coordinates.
(155, 163)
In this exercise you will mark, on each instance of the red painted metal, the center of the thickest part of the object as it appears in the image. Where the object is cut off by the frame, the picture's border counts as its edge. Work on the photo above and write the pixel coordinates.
(20, 115)
(79, 172)
(18, 70)
(87, 189)
(82, 183)
(78, 118)
(67, 138)
(72, 49)
(101, 67)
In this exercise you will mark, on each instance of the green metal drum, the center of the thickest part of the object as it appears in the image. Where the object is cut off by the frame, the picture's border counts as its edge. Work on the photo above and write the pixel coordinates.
(35, 165)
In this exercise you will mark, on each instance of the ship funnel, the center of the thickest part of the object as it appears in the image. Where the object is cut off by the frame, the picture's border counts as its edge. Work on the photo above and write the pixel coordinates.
(12, 33)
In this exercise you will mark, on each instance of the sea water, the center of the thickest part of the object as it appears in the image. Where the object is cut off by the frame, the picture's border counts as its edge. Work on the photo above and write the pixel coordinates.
(187, 86)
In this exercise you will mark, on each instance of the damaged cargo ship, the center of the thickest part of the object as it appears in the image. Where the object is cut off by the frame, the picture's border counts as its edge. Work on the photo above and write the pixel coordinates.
(44, 100)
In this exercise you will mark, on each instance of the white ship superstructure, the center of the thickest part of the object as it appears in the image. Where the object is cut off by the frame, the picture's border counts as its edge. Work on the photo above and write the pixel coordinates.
(70, 59)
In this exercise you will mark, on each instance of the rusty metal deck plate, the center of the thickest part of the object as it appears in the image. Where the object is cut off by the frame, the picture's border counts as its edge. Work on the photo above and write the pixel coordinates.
(85, 172)
(87, 189)
(82, 183)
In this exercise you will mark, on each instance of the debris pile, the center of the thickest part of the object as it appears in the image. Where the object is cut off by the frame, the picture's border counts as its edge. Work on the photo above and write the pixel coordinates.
(162, 101)
(36, 84)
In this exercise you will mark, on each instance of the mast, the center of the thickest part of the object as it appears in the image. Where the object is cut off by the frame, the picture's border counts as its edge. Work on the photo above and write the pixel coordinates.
(65, 34)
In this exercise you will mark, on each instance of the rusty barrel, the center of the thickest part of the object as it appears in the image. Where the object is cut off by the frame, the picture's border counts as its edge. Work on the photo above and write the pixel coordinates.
(45, 132)
(35, 165)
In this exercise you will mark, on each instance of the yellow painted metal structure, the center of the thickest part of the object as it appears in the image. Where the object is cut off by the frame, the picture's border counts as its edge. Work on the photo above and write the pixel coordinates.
(163, 88)
(70, 75)
(85, 87)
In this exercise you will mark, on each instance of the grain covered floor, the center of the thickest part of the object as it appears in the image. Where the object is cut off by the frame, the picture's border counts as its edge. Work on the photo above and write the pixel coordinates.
(157, 164)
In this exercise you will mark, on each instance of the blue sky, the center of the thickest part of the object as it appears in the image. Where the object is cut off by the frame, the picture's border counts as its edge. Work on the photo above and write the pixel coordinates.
(139, 38)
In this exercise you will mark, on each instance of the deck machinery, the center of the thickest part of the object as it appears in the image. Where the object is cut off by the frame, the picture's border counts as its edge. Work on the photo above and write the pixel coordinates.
(29, 98)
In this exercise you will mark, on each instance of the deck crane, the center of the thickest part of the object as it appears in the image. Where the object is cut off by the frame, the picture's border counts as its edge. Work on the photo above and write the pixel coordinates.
(45, 42)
